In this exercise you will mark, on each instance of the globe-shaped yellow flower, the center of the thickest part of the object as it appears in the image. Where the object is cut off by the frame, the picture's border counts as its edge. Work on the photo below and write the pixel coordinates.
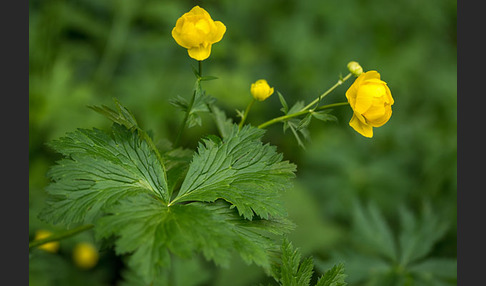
(50, 246)
(196, 31)
(261, 90)
(371, 100)
(85, 255)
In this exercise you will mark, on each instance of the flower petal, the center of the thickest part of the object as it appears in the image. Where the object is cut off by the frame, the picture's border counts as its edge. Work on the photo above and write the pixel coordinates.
(367, 93)
(217, 32)
(200, 53)
(388, 98)
(371, 75)
(360, 127)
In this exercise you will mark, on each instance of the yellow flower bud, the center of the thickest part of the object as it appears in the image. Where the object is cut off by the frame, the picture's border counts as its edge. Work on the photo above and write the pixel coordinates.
(371, 101)
(261, 90)
(196, 31)
(355, 68)
(85, 255)
(50, 246)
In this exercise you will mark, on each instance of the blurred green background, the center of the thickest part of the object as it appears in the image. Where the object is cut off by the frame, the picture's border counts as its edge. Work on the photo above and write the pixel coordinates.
(352, 196)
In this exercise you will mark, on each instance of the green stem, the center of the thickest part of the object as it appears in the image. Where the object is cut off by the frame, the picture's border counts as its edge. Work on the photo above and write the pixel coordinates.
(200, 68)
(246, 113)
(188, 111)
(61, 235)
(318, 99)
(299, 113)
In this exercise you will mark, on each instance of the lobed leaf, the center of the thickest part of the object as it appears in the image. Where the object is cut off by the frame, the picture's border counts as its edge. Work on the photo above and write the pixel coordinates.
(98, 169)
(148, 229)
(240, 170)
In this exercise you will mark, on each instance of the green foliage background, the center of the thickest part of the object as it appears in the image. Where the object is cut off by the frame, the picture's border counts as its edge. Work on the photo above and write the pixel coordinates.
(84, 52)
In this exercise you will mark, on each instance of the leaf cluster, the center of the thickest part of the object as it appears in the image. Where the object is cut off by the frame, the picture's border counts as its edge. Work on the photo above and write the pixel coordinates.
(299, 127)
(222, 198)
(382, 256)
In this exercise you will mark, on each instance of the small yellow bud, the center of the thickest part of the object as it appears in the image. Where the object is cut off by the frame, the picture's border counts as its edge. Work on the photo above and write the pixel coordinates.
(50, 246)
(85, 255)
(261, 90)
(355, 68)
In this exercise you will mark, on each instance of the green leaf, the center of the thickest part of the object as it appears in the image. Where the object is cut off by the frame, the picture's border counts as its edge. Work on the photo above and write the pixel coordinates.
(97, 170)
(359, 266)
(148, 229)
(285, 107)
(240, 170)
(179, 102)
(122, 116)
(227, 200)
(293, 124)
(183, 272)
(417, 237)
(223, 123)
(303, 123)
(370, 227)
(176, 163)
(434, 269)
(333, 277)
(201, 104)
(324, 115)
(292, 271)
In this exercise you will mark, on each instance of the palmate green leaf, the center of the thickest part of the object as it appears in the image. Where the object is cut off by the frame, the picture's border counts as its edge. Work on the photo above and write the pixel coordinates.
(418, 236)
(149, 229)
(240, 170)
(404, 258)
(292, 271)
(98, 170)
(372, 229)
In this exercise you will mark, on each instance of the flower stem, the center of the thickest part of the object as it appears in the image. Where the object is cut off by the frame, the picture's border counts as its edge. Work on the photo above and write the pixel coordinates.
(246, 113)
(299, 113)
(61, 235)
(188, 111)
(318, 99)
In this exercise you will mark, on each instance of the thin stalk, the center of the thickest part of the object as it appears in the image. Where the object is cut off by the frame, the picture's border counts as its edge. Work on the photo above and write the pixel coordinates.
(188, 111)
(246, 113)
(318, 99)
(302, 112)
(60, 236)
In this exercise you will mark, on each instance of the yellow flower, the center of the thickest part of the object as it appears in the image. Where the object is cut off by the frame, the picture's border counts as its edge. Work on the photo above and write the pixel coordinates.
(261, 90)
(50, 246)
(371, 100)
(85, 255)
(196, 31)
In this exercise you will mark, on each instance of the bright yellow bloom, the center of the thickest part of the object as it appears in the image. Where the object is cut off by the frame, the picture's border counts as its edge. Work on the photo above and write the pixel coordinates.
(50, 246)
(371, 100)
(85, 255)
(261, 90)
(196, 31)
